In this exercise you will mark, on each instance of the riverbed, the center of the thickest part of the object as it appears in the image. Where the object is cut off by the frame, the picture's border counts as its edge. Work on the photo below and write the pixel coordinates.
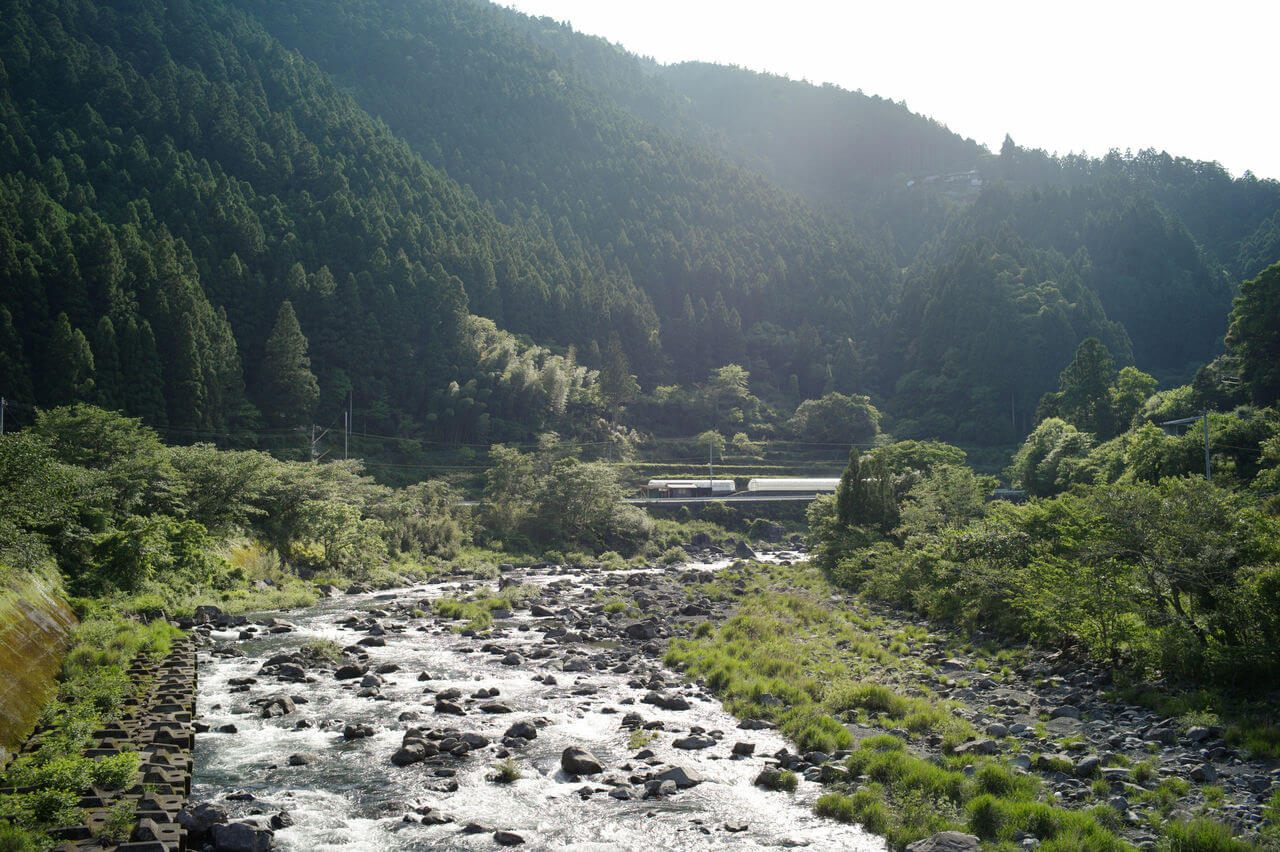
(345, 793)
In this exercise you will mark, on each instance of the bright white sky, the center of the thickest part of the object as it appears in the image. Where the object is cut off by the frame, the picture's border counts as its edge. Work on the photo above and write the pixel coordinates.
(1199, 80)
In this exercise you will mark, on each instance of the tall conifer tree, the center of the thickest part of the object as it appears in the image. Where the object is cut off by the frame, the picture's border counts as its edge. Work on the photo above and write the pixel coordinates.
(289, 389)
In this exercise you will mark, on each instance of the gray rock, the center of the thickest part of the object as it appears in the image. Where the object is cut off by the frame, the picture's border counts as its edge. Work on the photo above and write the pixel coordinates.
(1087, 766)
(507, 838)
(356, 732)
(200, 820)
(641, 630)
(278, 705)
(300, 759)
(410, 753)
(578, 761)
(682, 777)
(524, 730)
(241, 837)
(978, 747)
(475, 741)
(995, 729)
(1204, 774)
(1065, 711)
(350, 672)
(431, 816)
(744, 749)
(694, 742)
(946, 841)
(666, 702)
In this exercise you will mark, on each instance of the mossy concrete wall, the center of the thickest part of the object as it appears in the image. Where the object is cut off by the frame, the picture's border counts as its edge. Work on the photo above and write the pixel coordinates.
(35, 630)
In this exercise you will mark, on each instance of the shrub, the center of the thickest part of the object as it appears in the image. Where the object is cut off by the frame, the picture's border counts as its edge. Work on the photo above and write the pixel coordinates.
(871, 697)
(820, 733)
(673, 556)
(835, 806)
(116, 771)
(506, 772)
(785, 780)
(999, 780)
(14, 839)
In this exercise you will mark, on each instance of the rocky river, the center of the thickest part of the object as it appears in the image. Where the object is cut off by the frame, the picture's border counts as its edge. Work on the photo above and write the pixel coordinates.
(398, 743)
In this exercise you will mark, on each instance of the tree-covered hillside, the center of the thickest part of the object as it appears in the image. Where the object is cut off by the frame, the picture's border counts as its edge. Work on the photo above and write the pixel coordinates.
(229, 216)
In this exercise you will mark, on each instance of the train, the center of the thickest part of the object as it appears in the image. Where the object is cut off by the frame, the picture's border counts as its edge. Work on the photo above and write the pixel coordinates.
(756, 486)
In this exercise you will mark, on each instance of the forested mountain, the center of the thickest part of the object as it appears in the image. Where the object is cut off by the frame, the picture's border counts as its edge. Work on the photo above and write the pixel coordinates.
(228, 215)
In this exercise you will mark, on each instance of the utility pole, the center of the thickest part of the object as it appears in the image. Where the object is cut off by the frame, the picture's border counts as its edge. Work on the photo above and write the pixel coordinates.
(316, 455)
(345, 431)
(1208, 474)
(711, 448)
(3, 403)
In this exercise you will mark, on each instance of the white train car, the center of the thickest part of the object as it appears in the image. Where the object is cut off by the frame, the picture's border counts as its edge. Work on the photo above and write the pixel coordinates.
(793, 485)
(689, 488)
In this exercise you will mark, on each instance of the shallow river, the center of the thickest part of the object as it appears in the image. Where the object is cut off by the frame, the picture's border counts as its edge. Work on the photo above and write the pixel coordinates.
(351, 797)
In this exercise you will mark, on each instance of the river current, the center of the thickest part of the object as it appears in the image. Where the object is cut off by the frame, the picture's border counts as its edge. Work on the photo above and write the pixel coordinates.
(348, 795)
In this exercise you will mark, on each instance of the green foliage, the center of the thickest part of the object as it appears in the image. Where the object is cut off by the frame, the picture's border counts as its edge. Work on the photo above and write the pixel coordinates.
(1254, 335)
(1202, 835)
(553, 499)
(785, 781)
(1084, 391)
(289, 388)
(1052, 459)
(506, 772)
(640, 738)
(121, 819)
(837, 419)
(16, 839)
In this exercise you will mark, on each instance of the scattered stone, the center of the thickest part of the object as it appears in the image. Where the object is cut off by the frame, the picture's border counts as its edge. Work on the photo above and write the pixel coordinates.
(578, 761)
(946, 841)
(523, 730)
(695, 742)
(410, 753)
(241, 837)
(278, 705)
(682, 777)
(1204, 774)
(507, 838)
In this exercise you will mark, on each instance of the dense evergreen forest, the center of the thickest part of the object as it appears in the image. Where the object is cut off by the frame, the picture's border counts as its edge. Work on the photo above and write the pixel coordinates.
(233, 219)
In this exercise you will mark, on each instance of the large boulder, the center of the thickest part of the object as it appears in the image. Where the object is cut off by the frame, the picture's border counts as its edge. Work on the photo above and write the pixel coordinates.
(410, 753)
(681, 777)
(641, 630)
(200, 820)
(524, 730)
(242, 837)
(578, 761)
(694, 742)
(278, 705)
(946, 841)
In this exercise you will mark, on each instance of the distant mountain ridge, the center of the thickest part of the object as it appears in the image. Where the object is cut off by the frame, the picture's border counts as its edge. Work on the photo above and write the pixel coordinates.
(175, 172)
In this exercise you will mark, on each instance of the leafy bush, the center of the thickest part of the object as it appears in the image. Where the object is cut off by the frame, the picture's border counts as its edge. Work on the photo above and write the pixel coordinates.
(116, 771)
(785, 781)
(506, 772)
